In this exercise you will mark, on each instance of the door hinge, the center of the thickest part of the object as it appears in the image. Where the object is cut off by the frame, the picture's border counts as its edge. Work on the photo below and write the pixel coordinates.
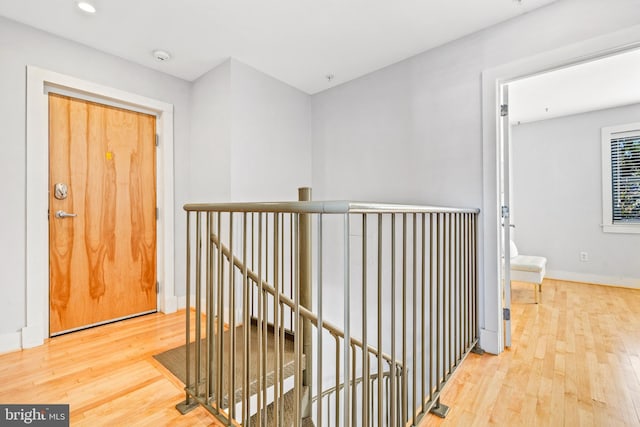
(504, 110)
(506, 314)
(157, 214)
(157, 288)
(504, 211)
(157, 140)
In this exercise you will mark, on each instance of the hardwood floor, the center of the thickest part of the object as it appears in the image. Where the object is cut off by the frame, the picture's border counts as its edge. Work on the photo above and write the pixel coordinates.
(107, 374)
(575, 361)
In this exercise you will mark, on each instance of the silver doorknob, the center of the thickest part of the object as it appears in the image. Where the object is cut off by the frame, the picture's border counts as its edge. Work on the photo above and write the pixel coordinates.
(63, 214)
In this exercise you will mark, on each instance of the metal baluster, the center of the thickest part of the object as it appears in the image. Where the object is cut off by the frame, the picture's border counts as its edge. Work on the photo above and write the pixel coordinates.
(432, 280)
(447, 296)
(354, 394)
(260, 319)
(210, 325)
(298, 328)
(276, 319)
(265, 319)
(337, 380)
(246, 327)
(438, 303)
(423, 255)
(393, 317)
(380, 362)
(198, 302)
(220, 319)
(452, 284)
(365, 352)
(403, 408)
(232, 314)
(347, 316)
(319, 357)
(475, 275)
(414, 328)
(460, 289)
(187, 404)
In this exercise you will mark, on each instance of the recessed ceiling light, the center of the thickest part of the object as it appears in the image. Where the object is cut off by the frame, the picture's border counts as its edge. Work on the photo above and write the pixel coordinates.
(86, 7)
(161, 55)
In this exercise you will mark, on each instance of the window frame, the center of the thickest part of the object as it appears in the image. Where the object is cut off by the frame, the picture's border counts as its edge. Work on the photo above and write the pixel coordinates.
(609, 133)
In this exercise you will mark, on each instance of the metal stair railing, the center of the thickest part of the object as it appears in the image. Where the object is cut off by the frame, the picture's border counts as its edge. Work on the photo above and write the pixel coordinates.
(253, 266)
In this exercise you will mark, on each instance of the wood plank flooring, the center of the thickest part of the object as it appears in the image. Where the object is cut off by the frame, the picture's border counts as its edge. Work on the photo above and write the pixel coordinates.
(107, 374)
(575, 361)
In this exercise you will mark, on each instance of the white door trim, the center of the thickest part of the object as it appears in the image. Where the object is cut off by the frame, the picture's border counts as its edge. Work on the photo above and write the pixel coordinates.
(583, 51)
(37, 233)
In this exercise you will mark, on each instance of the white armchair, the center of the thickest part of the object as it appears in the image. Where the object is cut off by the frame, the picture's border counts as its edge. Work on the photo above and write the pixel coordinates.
(527, 268)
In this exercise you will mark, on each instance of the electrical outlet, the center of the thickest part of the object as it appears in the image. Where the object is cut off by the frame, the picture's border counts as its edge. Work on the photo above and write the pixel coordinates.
(584, 256)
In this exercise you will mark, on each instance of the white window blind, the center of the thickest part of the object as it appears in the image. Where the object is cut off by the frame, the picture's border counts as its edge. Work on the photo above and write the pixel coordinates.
(625, 179)
(621, 178)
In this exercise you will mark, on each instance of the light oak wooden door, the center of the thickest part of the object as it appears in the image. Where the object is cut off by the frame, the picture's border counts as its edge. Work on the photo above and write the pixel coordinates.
(102, 261)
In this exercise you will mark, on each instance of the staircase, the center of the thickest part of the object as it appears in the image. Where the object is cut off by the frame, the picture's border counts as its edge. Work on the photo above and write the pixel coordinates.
(222, 383)
(358, 313)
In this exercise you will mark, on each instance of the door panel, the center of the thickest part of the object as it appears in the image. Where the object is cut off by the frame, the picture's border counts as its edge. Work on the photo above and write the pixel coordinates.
(102, 261)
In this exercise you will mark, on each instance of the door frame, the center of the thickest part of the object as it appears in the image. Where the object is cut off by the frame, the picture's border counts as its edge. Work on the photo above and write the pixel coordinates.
(37, 202)
(504, 200)
(492, 328)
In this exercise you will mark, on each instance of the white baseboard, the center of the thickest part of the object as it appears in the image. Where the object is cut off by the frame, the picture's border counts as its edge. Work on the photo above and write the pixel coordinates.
(170, 305)
(489, 341)
(10, 342)
(182, 302)
(32, 336)
(617, 281)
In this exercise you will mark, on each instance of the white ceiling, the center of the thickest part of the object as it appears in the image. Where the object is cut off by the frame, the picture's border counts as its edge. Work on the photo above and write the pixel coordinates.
(605, 83)
(296, 41)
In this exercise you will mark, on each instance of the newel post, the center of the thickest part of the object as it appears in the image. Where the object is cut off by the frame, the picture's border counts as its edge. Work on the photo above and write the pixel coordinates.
(304, 245)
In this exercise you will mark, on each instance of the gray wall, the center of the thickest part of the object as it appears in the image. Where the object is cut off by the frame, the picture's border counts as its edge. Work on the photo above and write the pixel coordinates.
(557, 198)
(21, 46)
(413, 131)
(250, 137)
(210, 144)
(271, 141)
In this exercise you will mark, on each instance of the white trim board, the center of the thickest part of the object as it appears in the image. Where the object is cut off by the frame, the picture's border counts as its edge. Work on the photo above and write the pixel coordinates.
(492, 78)
(594, 279)
(37, 233)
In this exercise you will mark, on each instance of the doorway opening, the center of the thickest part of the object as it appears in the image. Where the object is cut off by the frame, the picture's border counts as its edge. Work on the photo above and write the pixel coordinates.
(550, 167)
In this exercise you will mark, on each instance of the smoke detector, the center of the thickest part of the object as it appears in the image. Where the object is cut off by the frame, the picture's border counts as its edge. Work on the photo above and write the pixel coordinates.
(161, 55)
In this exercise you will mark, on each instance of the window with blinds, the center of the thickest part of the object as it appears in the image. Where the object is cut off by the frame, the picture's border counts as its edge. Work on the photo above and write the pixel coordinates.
(625, 179)
(621, 178)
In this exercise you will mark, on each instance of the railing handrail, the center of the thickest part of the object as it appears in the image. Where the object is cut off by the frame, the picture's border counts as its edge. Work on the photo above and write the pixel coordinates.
(326, 207)
(307, 314)
(415, 265)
